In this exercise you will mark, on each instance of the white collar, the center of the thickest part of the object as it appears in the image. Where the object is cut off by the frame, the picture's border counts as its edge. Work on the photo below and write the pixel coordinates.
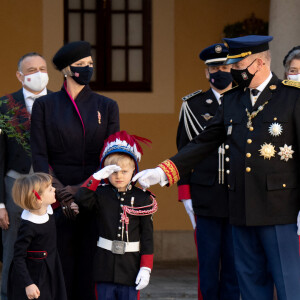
(27, 94)
(217, 95)
(264, 84)
(27, 215)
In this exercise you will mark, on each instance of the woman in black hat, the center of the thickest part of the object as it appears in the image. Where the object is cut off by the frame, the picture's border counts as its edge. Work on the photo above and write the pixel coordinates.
(68, 129)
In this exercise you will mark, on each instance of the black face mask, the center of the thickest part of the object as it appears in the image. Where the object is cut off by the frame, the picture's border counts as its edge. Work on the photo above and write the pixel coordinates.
(82, 75)
(243, 77)
(220, 79)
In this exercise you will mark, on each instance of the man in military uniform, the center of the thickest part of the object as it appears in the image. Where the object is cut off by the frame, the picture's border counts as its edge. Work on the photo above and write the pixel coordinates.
(260, 123)
(203, 191)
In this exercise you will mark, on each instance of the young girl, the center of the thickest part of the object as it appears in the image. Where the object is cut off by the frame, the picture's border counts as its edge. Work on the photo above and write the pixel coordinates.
(36, 270)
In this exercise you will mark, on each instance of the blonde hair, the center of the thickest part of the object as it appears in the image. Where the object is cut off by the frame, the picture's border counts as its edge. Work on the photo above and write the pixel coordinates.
(67, 72)
(115, 158)
(24, 188)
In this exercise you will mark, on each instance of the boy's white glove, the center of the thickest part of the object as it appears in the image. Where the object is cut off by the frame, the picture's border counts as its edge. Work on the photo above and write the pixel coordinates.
(298, 223)
(189, 209)
(143, 278)
(106, 172)
(150, 177)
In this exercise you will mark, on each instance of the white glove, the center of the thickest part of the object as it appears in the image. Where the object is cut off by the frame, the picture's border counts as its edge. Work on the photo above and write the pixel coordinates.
(142, 278)
(106, 172)
(298, 223)
(189, 209)
(150, 177)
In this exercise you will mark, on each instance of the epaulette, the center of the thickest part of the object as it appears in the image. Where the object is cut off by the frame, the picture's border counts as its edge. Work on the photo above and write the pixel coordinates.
(291, 83)
(187, 97)
(231, 90)
(146, 191)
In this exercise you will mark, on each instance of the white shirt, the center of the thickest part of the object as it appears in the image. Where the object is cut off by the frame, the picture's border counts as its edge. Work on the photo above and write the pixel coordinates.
(30, 97)
(260, 88)
(217, 95)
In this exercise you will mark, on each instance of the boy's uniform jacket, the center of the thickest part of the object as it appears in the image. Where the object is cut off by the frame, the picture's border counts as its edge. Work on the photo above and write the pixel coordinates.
(108, 203)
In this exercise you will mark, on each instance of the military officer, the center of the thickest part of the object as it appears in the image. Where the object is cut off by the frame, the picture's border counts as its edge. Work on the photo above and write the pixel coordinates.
(203, 191)
(259, 122)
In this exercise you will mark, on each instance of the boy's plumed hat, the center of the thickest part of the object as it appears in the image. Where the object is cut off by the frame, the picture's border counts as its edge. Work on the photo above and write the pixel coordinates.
(123, 142)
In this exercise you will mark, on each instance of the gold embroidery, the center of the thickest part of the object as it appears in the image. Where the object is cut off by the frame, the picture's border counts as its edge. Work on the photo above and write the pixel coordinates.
(170, 170)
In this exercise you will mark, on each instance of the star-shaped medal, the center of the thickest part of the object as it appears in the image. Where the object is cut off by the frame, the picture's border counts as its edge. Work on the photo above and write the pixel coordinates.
(267, 151)
(275, 129)
(286, 152)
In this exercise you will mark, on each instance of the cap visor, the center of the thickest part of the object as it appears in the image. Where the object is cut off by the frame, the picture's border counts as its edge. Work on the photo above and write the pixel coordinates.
(230, 61)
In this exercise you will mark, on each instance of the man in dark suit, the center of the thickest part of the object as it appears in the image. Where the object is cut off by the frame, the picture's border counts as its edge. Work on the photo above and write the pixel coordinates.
(15, 159)
(259, 121)
(203, 191)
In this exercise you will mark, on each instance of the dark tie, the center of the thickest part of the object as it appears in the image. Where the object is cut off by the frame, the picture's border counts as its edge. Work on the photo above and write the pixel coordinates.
(254, 92)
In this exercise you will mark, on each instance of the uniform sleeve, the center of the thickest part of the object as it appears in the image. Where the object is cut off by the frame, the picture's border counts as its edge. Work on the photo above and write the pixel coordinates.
(182, 140)
(146, 238)
(38, 139)
(22, 244)
(114, 119)
(200, 147)
(87, 199)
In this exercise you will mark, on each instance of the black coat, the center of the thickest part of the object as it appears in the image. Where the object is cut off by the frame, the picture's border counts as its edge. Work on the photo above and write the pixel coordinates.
(209, 197)
(268, 192)
(36, 260)
(106, 201)
(12, 155)
(59, 139)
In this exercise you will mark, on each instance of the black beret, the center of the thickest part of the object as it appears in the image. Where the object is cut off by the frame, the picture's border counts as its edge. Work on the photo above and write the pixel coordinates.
(70, 53)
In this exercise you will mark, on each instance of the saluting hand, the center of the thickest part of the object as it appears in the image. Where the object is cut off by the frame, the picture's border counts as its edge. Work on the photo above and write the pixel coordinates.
(106, 172)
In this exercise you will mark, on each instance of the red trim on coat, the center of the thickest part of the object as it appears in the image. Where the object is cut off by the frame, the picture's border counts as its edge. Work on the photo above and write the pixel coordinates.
(184, 192)
(96, 292)
(138, 295)
(91, 183)
(147, 261)
(74, 103)
(30, 257)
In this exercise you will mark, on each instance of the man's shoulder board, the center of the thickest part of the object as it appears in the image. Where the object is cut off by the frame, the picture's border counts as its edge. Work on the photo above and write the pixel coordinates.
(291, 83)
(187, 97)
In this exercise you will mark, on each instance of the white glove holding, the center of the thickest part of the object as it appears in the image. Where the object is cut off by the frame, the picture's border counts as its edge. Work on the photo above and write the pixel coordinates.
(298, 223)
(106, 172)
(189, 209)
(150, 177)
(143, 278)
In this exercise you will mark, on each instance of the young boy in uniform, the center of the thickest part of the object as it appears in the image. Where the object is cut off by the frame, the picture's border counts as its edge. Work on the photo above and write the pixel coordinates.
(124, 257)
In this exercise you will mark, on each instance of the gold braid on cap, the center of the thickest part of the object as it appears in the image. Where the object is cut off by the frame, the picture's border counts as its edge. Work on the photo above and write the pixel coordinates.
(240, 55)
(170, 170)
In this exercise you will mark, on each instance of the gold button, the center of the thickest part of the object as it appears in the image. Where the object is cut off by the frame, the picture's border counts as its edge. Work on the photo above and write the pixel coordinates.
(226, 146)
(251, 128)
(275, 119)
(248, 169)
(284, 185)
(227, 159)
(229, 186)
(248, 155)
(231, 121)
(228, 171)
(44, 254)
(249, 141)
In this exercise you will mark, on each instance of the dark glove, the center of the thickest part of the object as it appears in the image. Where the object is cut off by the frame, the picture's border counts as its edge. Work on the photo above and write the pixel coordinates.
(65, 196)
